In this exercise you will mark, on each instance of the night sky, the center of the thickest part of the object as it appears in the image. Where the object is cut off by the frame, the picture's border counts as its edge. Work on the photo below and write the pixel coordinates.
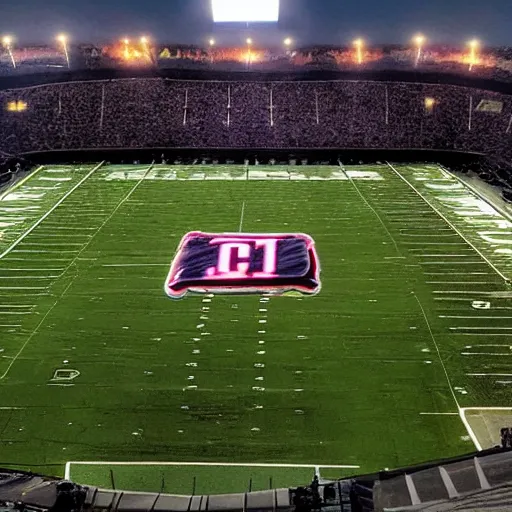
(307, 21)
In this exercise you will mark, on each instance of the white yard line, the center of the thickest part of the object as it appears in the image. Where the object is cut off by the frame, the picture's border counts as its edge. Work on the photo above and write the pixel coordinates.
(439, 413)
(67, 472)
(501, 354)
(49, 212)
(489, 374)
(477, 317)
(505, 278)
(242, 217)
(20, 183)
(481, 334)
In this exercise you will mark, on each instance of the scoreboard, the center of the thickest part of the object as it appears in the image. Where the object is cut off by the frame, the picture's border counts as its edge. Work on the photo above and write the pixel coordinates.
(245, 11)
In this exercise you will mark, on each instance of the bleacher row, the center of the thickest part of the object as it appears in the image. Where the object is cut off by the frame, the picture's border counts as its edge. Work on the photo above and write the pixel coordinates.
(157, 112)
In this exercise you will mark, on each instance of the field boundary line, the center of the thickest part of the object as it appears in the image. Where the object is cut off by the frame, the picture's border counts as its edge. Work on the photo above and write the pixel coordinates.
(505, 278)
(49, 212)
(475, 191)
(67, 470)
(342, 167)
(36, 329)
(17, 185)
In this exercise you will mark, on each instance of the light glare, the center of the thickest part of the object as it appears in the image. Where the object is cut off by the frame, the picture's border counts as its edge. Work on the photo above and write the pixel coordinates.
(232, 11)
(419, 39)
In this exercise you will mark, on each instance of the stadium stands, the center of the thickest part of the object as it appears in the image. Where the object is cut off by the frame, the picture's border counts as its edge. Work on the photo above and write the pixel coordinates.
(141, 113)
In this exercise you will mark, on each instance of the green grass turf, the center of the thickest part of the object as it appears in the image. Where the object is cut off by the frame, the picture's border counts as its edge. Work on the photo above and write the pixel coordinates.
(339, 378)
(192, 479)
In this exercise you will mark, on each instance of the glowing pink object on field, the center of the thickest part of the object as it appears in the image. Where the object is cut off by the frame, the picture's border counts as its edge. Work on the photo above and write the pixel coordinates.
(244, 263)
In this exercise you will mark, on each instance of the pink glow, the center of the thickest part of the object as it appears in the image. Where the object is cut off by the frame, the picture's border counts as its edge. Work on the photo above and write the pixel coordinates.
(243, 252)
(269, 259)
(243, 244)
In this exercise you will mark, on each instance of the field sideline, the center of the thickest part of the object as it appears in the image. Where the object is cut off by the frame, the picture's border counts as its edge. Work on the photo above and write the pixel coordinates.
(404, 356)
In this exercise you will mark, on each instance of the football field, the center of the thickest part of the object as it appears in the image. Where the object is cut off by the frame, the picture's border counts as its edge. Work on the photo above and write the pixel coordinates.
(404, 356)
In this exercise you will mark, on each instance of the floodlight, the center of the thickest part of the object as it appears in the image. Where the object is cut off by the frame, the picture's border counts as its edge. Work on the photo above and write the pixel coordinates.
(419, 39)
(246, 11)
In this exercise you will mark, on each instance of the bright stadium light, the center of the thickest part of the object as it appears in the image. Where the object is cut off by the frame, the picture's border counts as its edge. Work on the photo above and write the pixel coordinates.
(7, 42)
(248, 41)
(126, 51)
(247, 11)
(359, 44)
(474, 45)
(419, 41)
(288, 42)
(63, 40)
(429, 102)
(211, 42)
(144, 40)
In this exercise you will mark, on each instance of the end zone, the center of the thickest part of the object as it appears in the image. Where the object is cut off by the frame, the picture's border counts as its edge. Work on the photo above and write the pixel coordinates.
(484, 423)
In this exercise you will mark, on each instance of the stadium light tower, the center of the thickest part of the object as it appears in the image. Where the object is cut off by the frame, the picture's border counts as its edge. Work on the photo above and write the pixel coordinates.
(249, 56)
(211, 42)
(63, 40)
(359, 44)
(474, 45)
(288, 42)
(7, 42)
(419, 41)
(144, 41)
(126, 43)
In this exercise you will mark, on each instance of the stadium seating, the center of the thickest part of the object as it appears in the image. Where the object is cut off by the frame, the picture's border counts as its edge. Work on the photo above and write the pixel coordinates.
(147, 112)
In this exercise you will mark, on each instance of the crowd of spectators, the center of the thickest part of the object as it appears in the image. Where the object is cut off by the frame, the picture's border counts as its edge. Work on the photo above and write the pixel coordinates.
(157, 112)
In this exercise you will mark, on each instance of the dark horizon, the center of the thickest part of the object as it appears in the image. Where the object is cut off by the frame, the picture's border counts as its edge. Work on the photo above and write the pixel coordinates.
(308, 22)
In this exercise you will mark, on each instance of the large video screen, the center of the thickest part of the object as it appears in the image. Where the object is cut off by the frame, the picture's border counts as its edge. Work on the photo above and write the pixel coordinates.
(234, 11)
